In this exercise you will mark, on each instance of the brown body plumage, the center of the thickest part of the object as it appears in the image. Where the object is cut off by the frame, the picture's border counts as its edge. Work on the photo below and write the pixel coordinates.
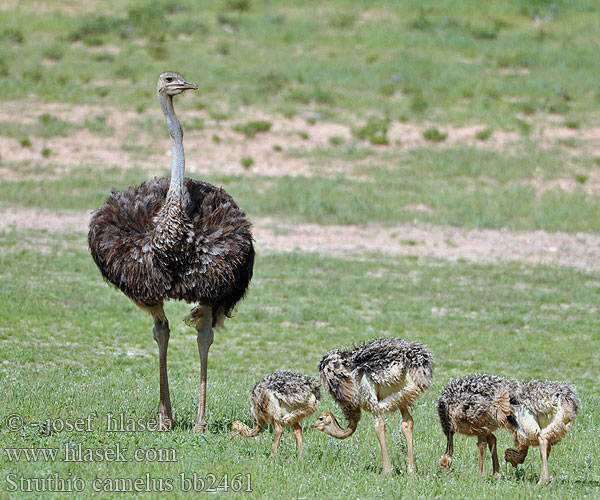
(281, 398)
(545, 413)
(476, 405)
(199, 250)
(175, 238)
(379, 376)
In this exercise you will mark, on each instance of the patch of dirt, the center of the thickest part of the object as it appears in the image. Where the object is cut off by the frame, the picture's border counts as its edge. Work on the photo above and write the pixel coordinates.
(107, 48)
(81, 147)
(22, 218)
(409, 136)
(369, 15)
(151, 151)
(205, 155)
(291, 147)
(581, 250)
(591, 185)
(521, 70)
(419, 207)
(586, 140)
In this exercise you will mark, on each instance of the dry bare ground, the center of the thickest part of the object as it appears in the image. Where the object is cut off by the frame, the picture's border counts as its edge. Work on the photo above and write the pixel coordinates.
(205, 155)
(130, 143)
(581, 251)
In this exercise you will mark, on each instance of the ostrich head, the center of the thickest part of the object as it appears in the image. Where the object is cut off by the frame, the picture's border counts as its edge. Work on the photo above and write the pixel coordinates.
(237, 427)
(171, 83)
(325, 421)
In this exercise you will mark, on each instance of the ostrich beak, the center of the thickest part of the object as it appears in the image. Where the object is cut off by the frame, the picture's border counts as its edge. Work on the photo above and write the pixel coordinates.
(185, 85)
(189, 85)
(313, 425)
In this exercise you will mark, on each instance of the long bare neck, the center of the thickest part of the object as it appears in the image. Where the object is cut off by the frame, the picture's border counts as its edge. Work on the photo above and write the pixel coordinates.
(337, 431)
(177, 154)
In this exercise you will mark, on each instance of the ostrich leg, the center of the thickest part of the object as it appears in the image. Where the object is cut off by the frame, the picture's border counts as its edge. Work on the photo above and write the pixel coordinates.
(161, 335)
(298, 436)
(481, 446)
(491, 440)
(205, 339)
(407, 430)
(544, 452)
(446, 458)
(277, 431)
(385, 456)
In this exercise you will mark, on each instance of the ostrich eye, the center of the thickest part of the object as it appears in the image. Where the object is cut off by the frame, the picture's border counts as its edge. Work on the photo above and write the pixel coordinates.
(169, 79)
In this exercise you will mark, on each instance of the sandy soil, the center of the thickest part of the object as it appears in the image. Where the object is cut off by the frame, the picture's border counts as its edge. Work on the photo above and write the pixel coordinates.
(580, 251)
(573, 250)
(130, 143)
(138, 140)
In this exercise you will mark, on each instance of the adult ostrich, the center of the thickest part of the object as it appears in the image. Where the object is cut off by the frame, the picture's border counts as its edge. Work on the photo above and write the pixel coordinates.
(175, 238)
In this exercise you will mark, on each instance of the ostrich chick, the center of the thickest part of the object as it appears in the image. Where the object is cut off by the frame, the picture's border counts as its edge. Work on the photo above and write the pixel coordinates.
(476, 406)
(379, 376)
(281, 398)
(545, 414)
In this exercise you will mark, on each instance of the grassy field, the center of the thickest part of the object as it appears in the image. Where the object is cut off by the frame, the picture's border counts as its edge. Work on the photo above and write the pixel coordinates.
(71, 346)
(350, 54)
(463, 113)
(490, 197)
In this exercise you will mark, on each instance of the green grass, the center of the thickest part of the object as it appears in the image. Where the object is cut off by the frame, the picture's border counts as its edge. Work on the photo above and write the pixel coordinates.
(375, 130)
(250, 129)
(462, 186)
(403, 59)
(247, 161)
(434, 135)
(484, 134)
(82, 347)
(46, 126)
(97, 125)
(70, 345)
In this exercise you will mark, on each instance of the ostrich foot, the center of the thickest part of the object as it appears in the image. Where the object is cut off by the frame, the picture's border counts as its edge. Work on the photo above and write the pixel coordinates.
(445, 461)
(195, 317)
(199, 428)
(164, 422)
(513, 456)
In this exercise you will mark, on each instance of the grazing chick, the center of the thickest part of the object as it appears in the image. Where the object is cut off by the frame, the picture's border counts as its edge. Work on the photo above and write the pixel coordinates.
(476, 406)
(545, 414)
(281, 398)
(379, 376)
